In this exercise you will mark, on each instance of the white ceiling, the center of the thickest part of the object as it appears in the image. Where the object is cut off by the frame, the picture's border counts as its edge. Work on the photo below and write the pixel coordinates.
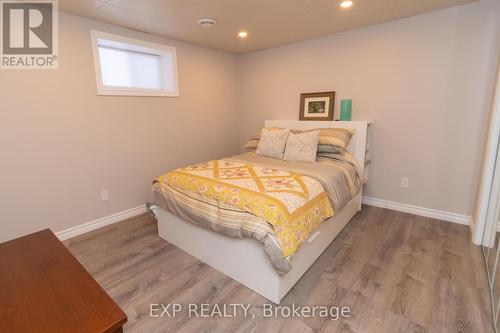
(268, 22)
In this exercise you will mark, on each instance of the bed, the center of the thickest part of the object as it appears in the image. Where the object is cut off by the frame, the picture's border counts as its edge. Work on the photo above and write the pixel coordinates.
(243, 258)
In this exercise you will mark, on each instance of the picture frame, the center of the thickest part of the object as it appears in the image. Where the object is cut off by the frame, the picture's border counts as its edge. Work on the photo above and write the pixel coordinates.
(317, 106)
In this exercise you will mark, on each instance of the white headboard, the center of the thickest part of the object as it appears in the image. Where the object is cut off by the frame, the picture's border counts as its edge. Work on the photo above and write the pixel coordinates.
(357, 146)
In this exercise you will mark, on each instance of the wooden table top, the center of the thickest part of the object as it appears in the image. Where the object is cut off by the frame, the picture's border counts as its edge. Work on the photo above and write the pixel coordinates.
(43, 288)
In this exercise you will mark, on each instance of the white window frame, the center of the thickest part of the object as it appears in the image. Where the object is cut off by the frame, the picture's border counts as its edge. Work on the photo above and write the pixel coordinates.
(138, 46)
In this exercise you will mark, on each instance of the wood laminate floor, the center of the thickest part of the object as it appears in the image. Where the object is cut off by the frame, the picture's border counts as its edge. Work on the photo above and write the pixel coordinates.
(397, 272)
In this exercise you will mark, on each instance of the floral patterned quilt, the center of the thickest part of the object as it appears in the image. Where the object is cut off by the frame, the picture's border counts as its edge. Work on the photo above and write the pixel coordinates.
(294, 204)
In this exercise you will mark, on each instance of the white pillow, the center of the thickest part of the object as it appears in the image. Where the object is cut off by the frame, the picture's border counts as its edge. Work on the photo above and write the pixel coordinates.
(272, 143)
(302, 147)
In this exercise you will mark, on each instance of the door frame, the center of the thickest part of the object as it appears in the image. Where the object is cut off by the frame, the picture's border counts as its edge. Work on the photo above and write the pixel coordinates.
(480, 220)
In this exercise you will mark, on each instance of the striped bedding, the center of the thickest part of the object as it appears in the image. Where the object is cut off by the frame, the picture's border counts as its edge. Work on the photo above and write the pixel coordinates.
(337, 173)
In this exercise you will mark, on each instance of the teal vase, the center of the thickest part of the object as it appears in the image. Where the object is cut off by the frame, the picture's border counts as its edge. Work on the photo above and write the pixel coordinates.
(345, 109)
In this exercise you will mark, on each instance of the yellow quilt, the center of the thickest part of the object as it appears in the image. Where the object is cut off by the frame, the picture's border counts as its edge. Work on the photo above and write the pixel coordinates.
(294, 204)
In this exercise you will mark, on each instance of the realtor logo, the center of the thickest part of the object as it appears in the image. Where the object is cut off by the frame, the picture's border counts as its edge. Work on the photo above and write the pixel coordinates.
(29, 34)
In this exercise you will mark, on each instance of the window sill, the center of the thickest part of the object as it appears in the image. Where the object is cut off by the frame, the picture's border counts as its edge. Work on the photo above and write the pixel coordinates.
(138, 93)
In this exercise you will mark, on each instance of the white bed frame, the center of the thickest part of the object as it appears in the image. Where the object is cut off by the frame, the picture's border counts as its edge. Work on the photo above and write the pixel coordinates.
(244, 259)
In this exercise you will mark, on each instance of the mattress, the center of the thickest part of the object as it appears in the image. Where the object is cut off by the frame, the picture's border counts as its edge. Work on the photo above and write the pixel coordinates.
(337, 175)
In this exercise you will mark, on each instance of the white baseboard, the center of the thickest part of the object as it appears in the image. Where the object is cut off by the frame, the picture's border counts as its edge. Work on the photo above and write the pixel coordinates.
(421, 211)
(99, 223)
(401, 207)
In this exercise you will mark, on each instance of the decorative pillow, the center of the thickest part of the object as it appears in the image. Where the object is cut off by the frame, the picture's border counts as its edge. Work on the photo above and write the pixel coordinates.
(328, 137)
(302, 147)
(272, 143)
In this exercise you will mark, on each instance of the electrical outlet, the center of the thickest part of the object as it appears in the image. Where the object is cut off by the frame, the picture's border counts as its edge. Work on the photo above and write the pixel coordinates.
(104, 195)
(404, 183)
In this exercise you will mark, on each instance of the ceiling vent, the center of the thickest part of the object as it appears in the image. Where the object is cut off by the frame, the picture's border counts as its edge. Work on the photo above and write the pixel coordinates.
(207, 23)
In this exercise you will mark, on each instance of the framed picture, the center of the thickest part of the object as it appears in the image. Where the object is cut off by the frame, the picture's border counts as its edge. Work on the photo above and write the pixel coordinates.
(317, 106)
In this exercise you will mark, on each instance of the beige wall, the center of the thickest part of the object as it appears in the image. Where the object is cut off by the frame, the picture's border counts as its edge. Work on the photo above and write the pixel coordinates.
(61, 144)
(425, 82)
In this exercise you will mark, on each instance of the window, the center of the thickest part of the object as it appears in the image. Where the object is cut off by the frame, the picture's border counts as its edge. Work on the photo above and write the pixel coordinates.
(127, 66)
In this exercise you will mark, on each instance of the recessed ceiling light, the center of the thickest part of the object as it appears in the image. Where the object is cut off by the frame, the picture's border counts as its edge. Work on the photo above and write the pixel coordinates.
(242, 34)
(346, 4)
(207, 22)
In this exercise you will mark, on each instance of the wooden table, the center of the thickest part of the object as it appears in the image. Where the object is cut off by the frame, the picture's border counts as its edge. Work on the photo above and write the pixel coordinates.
(43, 288)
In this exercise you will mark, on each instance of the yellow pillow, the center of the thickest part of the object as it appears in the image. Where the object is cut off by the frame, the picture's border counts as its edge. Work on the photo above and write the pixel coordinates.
(335, 137)
(253, 141)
